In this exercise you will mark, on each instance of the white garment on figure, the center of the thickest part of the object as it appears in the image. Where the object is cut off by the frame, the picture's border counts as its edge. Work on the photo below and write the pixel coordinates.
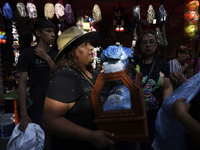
(175, 66)
(32, 139)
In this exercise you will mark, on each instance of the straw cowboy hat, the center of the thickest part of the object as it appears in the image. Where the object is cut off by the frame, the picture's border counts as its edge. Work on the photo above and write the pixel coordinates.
(70, 36)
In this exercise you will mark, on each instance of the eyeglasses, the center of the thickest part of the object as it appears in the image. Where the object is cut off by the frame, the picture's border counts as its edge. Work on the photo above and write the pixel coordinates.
(151, 42)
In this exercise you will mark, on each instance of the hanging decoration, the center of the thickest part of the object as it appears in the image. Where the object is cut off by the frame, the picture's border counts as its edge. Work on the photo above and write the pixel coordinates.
(119, 20)
(49, 10)
(79, 23)
(94, 64)
(31, 8)
(16, 44)
(69, 14)
(21, 8)
(59, 10)
(162, 17)
(7, 11)
(150, 13)
(2, 32)
(191, 18)
(59, 30)
(96, 13)
(137, 19)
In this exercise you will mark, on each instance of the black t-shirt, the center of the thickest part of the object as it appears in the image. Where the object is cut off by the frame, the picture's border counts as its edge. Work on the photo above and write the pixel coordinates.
(37, 68)
(153, 88)
(68, 86)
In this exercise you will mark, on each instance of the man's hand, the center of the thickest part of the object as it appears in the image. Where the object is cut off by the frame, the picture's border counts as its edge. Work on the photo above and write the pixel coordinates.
(41, 53)
(24, 121)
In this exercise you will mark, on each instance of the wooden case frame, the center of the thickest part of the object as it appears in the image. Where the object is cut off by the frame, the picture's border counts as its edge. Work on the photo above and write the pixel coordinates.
(127, 125)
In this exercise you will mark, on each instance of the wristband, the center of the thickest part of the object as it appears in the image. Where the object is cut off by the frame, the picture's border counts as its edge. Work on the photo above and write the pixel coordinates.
(47, 58)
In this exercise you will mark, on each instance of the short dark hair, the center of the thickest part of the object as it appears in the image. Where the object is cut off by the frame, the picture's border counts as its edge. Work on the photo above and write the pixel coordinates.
(181, 49)
(42, 23)
(137, 47)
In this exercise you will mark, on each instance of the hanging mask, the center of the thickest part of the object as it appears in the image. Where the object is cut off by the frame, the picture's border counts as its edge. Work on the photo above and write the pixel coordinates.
(21, 9)
(150, 14)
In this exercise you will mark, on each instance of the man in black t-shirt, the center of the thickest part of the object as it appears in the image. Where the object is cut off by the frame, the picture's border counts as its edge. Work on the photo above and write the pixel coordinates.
(35, 63)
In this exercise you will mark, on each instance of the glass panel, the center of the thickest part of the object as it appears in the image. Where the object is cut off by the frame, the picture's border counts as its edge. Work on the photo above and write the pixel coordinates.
(115, 96)
(132, 74)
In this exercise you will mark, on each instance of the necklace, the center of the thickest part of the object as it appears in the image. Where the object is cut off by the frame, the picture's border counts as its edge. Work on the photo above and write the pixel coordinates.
(87, 78)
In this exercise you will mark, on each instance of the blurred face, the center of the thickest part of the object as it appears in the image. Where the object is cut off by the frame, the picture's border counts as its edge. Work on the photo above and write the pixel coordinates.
(47, 36)
(148, 45)
(85, 53)
(184, 57)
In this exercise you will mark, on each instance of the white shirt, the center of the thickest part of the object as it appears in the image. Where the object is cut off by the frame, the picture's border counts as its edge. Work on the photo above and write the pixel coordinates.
(175, 66)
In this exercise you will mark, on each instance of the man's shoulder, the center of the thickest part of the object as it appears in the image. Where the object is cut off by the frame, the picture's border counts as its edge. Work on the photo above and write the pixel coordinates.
(28, 49)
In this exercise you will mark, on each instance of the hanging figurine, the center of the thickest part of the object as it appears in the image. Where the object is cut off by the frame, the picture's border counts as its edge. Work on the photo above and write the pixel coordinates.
(162, 17)
(119, 21)
(137, 19)
(91, 21)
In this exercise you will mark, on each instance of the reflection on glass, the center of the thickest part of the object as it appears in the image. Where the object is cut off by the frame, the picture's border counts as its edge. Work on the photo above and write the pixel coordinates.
(115, 96)
(132, 74)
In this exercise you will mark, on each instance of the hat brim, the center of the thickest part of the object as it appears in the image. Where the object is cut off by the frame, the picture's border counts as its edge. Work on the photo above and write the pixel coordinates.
(92, 36)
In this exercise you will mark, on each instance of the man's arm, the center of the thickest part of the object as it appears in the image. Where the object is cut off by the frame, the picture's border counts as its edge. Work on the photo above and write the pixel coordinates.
(25, 119)
(49, 61)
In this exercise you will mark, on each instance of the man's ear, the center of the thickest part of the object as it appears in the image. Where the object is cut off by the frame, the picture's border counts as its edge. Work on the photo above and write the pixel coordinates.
(38, 33)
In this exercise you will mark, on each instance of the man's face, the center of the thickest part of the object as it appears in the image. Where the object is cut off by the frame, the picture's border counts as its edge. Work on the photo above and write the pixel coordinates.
(47, 36)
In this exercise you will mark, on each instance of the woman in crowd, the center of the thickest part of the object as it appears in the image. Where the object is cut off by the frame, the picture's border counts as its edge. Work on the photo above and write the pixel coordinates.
(156, 83)
(68, 111)
(179, 64)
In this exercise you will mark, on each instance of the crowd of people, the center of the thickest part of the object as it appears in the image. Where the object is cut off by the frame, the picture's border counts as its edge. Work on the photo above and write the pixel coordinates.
(61, 84)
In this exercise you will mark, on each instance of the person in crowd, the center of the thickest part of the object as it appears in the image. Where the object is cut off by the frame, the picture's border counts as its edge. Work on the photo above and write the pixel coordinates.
(178, 118)
(156, 84)
(34, 65)
(197, 68)
(179, 65)
(181, 111)
(68, 111)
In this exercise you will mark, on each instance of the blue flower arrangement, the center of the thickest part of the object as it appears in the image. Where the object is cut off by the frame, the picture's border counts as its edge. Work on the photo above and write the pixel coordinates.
(113, 53)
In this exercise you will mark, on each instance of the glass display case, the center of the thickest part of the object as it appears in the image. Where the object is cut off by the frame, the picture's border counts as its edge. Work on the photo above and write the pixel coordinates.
(119, 106)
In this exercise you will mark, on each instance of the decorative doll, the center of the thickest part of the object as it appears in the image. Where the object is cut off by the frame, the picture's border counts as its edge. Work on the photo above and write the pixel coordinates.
(119, 21)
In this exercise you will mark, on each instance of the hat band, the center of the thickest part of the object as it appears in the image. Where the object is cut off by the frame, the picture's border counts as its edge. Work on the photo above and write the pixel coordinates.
(72, 40)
